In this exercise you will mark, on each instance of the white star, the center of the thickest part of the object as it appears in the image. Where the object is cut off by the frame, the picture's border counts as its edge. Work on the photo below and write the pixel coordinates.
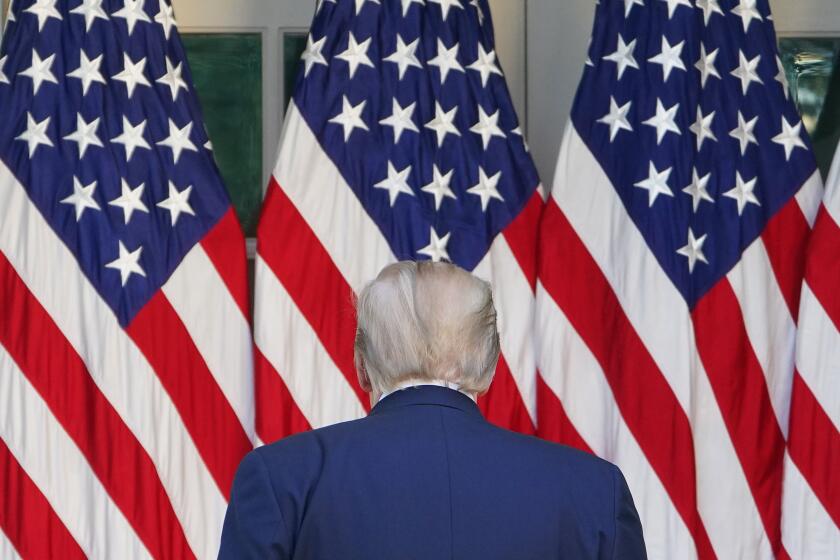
(35, 134)
(747, 11)
(697, 189)
(3, 78)
(350, 117)
(781, 76)
(130, 200)
(442, 123)
(177, 203)
(173, 79)
(706, 65)
(91, 10)
(746, 71)
(165, 17)
(361, 3)
(486, 188)
(178, 139)
(693, 250)
(395, 183)
(356, 54)
(88, 71)
(439, 187)
(44, 9)
(132, 12)
(127, 263)
(82, 198)
(709, 8)
(132, 138)
(674, 4)
(487, 126)
(446, 4)
(518, 131)
(478, 11)
(744, 132)
(669, 58)
(628, 6)
(616, 119)
(40, 71)
(790, 137)
(656, 183)
(400, 119)
(85, 134)
(436, 249)
(485, 64)
(406, 5)
(702, 127)
(663, 121)
(446, 60)
(312, 55)
(404, 56)
(132, 74)
(743, 193)
(623, 56)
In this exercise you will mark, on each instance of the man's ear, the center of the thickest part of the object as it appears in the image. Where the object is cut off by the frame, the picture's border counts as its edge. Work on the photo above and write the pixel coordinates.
(364, 379)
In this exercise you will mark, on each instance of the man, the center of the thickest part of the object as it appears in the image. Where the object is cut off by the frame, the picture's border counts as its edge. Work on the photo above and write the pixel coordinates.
(424, 476)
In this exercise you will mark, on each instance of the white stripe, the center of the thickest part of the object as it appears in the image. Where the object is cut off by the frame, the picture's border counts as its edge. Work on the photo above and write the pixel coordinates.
(660, 317)
(809, 196)
(576, 378)
(287, 341)
(818, 354)
(116, 365)
(808, 532)
(515, 315)
(831, 200)
(769, 324)
(217, 327)
(7, 549)
(60, 471)
(331, 209)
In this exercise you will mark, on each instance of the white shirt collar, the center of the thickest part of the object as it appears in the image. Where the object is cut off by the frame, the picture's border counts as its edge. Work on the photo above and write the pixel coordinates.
(424, 383)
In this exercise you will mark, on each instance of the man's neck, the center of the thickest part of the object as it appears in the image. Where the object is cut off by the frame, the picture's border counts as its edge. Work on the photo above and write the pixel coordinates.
(421, 382)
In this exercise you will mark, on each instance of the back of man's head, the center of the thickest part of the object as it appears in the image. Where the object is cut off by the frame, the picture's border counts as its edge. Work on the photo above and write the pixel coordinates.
(423, 321)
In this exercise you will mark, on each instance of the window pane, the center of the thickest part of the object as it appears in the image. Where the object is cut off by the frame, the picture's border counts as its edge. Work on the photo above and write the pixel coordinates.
(227, 72)
(293, 46)
(811, 65)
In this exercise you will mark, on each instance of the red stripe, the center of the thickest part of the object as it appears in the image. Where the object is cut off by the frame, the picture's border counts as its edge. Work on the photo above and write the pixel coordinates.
(521, 235)
(823, 270)
(58, 374)
(207, 415)
(648, 405)
(814, 445)
(225, 246)
(502, 404)
(785, 237)
(292, 251)
(26, 517)
(741, 392)
(554, 424)
(278, 415)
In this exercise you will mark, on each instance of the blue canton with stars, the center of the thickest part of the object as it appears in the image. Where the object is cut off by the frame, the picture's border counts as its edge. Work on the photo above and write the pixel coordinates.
(686, 107)
(101, 125)
(408, 99)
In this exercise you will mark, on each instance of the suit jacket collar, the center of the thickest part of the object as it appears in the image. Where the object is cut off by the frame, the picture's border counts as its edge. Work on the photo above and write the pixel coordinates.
(428, 395)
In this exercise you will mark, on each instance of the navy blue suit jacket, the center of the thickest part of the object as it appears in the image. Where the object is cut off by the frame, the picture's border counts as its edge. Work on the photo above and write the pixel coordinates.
(426, 477)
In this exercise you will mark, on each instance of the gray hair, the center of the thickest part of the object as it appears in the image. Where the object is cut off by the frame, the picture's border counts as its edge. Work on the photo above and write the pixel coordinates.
(426, 321)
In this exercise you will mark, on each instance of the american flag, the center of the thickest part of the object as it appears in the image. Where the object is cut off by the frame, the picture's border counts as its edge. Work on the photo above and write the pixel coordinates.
(126, 396)
(672, 255)
(401, 142)
(811, 505)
